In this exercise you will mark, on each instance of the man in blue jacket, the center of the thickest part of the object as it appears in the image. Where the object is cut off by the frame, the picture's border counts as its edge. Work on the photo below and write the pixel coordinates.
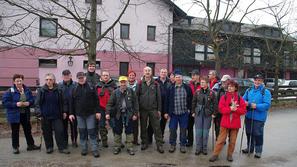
(258, 100)
(179, 97)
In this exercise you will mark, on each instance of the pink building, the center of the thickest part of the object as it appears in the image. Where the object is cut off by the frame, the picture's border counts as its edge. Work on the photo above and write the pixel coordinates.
(145, 29)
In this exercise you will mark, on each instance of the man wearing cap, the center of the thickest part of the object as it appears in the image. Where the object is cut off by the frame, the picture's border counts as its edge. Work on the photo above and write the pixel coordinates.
(258, 101)
(132, 83)
(105, 87)
(222, 89)
(85, 105)
(194, 85)
(122, 107)
(179, 97)
(149, 98)
(67, 86)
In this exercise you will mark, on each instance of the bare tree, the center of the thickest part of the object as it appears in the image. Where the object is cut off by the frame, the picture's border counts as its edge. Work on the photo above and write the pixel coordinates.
(77, 21)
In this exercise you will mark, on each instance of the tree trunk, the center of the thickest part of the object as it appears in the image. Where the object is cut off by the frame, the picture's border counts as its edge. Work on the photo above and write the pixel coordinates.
(93, 36)
(217, 60)
(276, 72)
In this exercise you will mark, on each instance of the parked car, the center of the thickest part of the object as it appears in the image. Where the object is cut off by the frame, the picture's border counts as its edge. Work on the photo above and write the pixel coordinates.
(291, 85)
(269, 82)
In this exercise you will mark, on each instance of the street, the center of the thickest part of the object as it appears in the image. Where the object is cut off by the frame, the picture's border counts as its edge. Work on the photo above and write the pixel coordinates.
(279, 150)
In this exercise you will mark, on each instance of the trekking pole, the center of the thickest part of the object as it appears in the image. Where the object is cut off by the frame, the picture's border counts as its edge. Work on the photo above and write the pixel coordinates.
(213, 129)
(250, 139)
(240, 148)
(39, 130)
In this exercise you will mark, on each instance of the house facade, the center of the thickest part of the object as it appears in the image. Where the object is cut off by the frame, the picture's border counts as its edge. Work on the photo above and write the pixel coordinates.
(243, 50)
(142, 37)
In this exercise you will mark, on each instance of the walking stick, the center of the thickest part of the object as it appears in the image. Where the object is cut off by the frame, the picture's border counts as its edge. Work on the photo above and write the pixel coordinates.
(250, 139)
(73, 135)
(39, 130)
(212, 129)
(240, 148)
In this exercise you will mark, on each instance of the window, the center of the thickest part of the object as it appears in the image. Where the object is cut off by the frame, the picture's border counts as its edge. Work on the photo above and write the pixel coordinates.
(199, 52)
(98, 1)
(98, 29)
(247, 55)
(151, 33)
(85, 64)
(48, 63)
(287, 58)
(125, 30)
(48, 27)
(257, 56)
(210, 54)
(152, 65)
(124, 66)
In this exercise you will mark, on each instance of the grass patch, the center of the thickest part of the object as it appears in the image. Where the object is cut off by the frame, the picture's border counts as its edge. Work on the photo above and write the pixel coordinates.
(287, 103)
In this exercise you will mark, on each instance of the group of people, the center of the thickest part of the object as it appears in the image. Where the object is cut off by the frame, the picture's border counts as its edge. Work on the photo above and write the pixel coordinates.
(96, 103)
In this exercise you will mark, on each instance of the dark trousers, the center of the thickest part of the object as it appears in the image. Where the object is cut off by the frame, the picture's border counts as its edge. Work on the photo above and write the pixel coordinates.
(190, 133)
(56, 125)
(15, 131)
(217, 124)
(73, 130)
(135, 131)
(256, 134)
(150, 131)
(121, 123)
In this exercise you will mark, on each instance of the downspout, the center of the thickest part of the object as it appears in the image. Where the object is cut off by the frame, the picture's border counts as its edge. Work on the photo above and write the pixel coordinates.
(169, 47)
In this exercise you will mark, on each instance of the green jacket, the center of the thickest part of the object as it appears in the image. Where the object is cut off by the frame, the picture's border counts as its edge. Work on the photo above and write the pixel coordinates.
(114, 105)
(149, 95)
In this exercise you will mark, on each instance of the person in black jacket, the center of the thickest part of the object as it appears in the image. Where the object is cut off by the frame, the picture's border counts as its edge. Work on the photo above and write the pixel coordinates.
(49, 105)
(85, 105)
(67, 86)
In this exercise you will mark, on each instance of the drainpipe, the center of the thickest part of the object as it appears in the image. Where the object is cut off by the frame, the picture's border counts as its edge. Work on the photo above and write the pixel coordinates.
(169, 47)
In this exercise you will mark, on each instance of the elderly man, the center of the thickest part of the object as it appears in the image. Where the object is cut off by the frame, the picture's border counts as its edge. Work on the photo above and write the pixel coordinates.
(122, 107)
(67, 86)
(49, 105)
(258, 101)
(213, 80)
(179, 97)
(150, 104)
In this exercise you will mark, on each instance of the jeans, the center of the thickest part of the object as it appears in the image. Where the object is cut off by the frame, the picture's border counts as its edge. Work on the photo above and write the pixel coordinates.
(86, 127)
(255, 133)
(182, 120)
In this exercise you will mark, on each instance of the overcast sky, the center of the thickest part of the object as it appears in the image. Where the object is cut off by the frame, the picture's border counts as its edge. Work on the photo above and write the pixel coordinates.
(258, 17)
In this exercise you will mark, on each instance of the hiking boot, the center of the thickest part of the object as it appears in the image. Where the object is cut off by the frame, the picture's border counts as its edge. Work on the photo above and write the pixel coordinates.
(144, 146)
(229, 158)
(213, 158)
(74, 145)
(84, 152)
(116, 150)
(204, 152)
(257, 155)
(160, 149)
(16, 150)
(33, 147)
(64, 151)
(172, 148)
(136, 143)
(131, 151)
(49, 150)
(246, 151)
(96, 154)
(189, 144)
(183, 149)
(198, 152)
(104, 144)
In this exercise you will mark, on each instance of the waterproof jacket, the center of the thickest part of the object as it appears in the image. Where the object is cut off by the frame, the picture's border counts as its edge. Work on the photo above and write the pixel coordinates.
(49, 102)
(92, 78)
(84, 101)
(231, 120)
(149, 96)
(194, 86)
(204, 100)
(9, 100)
(104, 91)
(262, 98)
(114, 104)
(170, 98)
(164, 86)
(67, 89)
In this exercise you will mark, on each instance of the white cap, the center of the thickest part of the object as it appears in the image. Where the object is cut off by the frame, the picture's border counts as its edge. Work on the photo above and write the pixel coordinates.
(225, 78)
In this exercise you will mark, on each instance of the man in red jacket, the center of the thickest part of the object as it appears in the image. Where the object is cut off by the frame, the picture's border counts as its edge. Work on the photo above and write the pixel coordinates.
(104, 88)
